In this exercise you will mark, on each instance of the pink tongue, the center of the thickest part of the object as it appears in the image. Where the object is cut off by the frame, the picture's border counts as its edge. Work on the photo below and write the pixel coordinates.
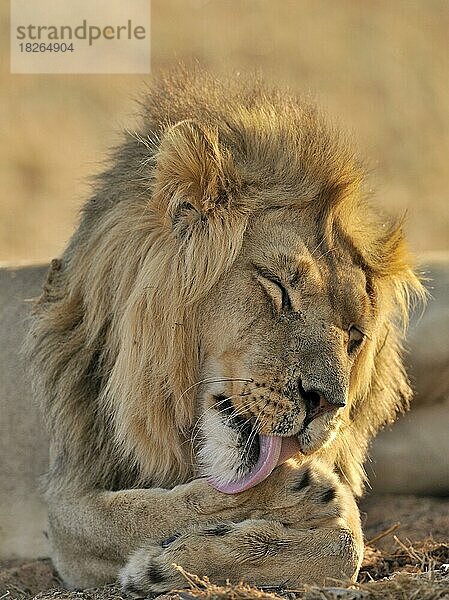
(273, 451)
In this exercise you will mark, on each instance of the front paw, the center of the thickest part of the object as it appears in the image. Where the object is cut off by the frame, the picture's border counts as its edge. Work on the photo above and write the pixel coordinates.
(303, 496)
(217, 550)
(205, 502)
(149, 572)
(224, 551)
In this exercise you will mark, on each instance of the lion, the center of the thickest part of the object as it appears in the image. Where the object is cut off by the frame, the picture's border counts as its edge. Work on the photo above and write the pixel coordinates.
(421, 433)
(217, 345)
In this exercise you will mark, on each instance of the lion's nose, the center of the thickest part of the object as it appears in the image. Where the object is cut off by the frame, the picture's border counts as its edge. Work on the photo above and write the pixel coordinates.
(318, 402)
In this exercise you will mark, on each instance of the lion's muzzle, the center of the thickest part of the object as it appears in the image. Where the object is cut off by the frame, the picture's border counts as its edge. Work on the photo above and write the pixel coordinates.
(317, 403)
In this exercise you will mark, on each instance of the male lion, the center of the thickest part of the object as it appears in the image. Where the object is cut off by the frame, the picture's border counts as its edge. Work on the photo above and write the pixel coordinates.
(230, 300)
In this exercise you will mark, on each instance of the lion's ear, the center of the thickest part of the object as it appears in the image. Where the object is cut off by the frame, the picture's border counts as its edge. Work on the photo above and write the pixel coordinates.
(190, 181)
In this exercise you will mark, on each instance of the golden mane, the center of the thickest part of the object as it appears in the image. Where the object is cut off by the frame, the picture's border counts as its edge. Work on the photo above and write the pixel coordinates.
(114, 344)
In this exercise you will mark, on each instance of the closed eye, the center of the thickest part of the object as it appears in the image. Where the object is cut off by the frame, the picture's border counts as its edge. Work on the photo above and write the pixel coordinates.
(275, 281)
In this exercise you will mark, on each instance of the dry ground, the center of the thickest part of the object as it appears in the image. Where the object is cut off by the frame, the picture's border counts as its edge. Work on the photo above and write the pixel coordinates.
(407, 557)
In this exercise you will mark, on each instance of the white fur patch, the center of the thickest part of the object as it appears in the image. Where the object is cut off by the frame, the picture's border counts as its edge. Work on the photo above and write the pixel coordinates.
(219, 456)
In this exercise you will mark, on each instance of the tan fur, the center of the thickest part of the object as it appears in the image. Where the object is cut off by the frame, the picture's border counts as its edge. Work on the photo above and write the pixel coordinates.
(157, 292)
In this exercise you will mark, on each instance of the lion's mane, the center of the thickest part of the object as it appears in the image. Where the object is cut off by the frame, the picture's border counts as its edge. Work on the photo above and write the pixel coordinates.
(114, 343)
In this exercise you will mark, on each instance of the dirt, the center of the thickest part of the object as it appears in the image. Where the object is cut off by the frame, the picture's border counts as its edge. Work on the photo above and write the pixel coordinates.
(418, 518)
(407, 556)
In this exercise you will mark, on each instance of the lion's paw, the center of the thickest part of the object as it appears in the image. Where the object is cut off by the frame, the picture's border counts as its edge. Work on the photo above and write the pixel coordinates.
(287, 511)
(152, 568)
(300, 496)
(149, 571)
(216, 549)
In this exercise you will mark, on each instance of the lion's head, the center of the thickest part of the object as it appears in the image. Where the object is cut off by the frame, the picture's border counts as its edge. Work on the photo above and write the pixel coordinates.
(287, 347)
(240, 295)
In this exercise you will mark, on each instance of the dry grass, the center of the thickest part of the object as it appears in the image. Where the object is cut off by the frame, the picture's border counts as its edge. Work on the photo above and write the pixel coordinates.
(381, 67)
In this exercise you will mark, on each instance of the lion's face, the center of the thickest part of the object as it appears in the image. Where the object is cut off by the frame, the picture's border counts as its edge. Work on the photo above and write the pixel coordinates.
(283, 333)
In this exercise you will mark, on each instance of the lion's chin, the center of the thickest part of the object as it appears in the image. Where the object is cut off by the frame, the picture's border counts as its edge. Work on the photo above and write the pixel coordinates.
(317, 436)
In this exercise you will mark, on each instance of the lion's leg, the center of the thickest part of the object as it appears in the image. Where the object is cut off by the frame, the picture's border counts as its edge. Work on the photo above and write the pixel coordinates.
(312, 535)
(254, 551)
(93, 534)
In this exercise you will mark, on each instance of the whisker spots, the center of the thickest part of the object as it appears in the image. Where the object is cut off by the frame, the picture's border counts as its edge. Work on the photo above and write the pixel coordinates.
(329, 495)
(219, 530)
(303, 482)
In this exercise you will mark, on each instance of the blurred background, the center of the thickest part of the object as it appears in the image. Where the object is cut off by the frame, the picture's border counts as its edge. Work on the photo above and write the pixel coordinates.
(378, 67)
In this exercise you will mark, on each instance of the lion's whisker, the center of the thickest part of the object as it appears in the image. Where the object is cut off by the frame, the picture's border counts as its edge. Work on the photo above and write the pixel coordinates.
(196, 427)
(211, 380)
(233, 414)
(219, 403)
(325, 253)
(254, 432)
(249, 440)
(316, 247)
